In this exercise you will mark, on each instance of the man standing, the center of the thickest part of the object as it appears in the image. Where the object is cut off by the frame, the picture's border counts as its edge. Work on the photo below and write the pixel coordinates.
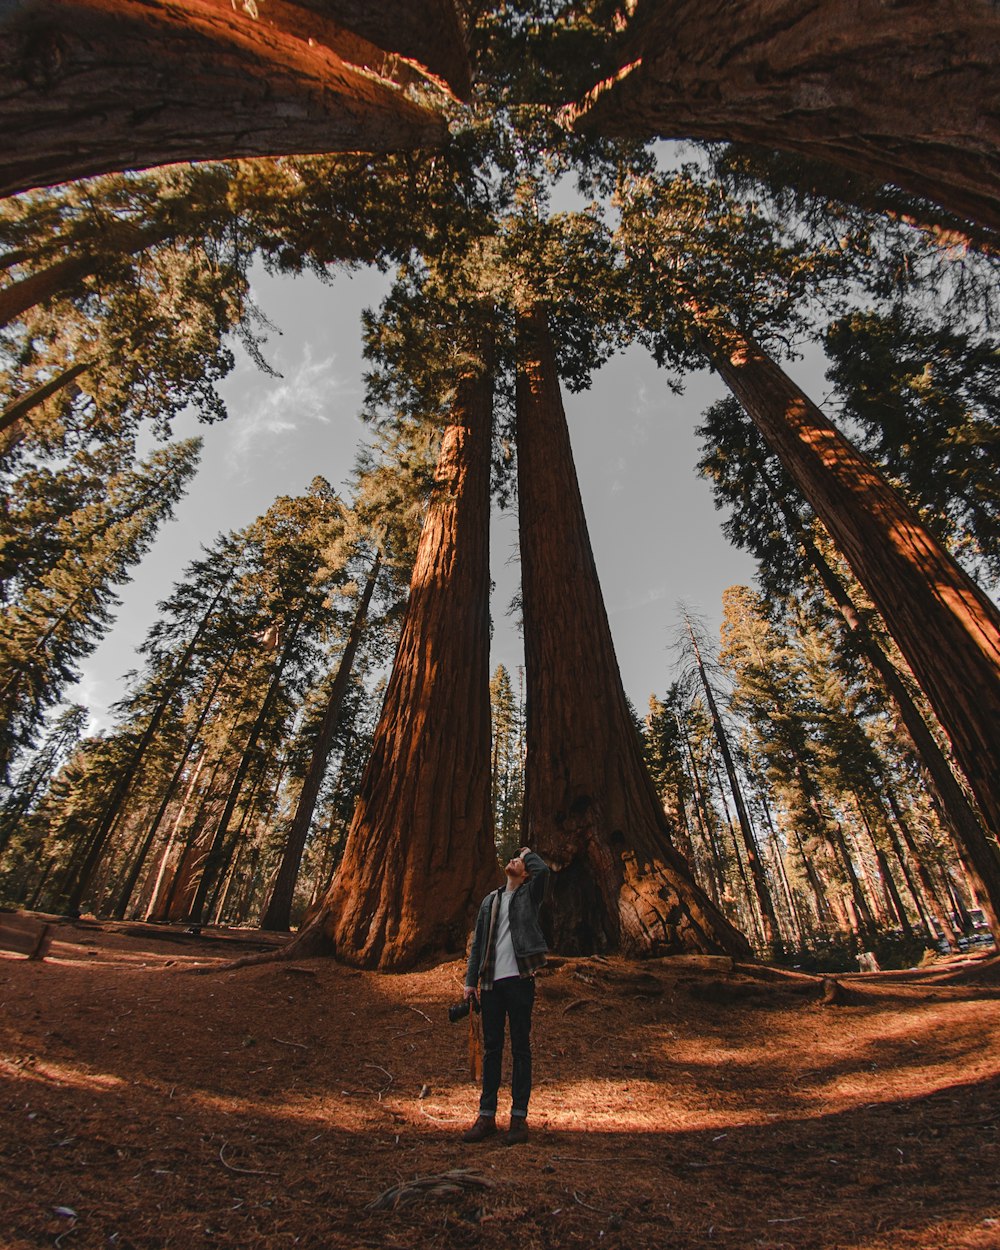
(507, 948)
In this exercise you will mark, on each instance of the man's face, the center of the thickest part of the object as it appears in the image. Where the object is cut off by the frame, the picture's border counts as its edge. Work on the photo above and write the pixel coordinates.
(516, 871)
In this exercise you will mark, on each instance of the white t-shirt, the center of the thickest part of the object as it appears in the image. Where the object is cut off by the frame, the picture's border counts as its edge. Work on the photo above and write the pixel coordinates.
(505, 962)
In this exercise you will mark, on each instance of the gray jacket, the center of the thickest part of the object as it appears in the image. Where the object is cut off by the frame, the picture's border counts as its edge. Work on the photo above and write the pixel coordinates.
(525, 931)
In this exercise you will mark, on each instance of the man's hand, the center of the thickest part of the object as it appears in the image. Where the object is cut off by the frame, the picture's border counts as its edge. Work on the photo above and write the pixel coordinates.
(470, 991)
(525, 850)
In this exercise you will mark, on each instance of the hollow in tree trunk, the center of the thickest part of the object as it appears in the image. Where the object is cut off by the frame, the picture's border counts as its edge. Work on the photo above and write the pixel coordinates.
(590, 806)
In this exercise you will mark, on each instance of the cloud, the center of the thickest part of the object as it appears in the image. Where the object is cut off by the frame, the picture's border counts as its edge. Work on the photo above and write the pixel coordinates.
(94, 693)
(267, 410)
(636, 603)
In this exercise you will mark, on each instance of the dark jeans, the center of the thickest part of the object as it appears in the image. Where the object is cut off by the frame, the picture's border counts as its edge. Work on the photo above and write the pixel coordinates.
(509, 999)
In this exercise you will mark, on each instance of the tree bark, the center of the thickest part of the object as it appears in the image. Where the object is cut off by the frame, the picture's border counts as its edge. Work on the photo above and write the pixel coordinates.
(95, 86)
(769, 922)
(901, 92)
(279, 908)
(419, 854)
(590, 806)
(13, 415)
(215, 856)
(955, 809)
(946, 628)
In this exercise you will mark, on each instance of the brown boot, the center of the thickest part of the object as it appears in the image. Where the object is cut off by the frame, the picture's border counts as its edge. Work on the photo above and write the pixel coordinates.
(484, 1127)
(518, 1131)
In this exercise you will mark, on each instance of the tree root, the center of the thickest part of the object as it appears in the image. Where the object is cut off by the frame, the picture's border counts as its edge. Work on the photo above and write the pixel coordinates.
(307, 943)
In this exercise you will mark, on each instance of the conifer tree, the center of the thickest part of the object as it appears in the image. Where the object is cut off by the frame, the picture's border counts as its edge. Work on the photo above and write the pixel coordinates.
(590, 806)
(420, 849)
(507, 769)
(64, 605)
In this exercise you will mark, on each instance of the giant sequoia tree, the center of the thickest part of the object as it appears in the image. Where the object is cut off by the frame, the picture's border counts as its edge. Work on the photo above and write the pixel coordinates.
(420, 849)
(590, 806)
(904, 93)
(200, 81)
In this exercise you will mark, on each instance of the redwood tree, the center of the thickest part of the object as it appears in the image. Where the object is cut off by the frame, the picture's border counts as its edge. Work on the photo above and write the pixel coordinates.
(945, 626)
(590, 807)
(202, 81)
(419, 854)
(904, 93)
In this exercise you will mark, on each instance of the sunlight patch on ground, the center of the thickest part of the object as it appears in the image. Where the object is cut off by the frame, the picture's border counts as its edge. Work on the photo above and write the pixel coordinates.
(48, 1072)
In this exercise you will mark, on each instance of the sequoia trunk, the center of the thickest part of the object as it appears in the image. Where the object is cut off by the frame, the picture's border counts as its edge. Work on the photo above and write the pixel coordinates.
(903, 93)
(590, 806)
(419, 854)
(946, 628)
(204, 81)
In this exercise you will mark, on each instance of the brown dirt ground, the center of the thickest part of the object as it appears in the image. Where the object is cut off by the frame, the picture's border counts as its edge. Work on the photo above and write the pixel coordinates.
(143, 1107)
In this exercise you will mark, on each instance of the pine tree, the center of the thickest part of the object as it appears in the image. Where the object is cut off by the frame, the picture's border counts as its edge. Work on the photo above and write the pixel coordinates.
(507, 768)
(63, 610)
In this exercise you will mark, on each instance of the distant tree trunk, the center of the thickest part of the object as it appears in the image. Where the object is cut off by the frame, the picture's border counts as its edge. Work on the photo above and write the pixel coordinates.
(956, 811)
(279, 908)
(161, 894)
(893, 898)
(420, 854)
(765, 903)
(795, 919)
(715, 876)
(745, 895)
(234, 847)
(821, 901)
(871, 885)
(862, 911)
(904, 93)
(181, 887)
(205, 81)
(945, 626)
(590, 806)
(214, 858)
(128, 886)
(931, 895)
(915, 892)
(77, 888)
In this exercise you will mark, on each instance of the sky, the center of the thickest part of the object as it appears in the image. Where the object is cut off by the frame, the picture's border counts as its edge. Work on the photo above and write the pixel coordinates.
(655, 532)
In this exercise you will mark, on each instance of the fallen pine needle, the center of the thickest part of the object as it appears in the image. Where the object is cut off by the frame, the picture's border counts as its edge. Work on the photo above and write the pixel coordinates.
(281, 1042)
(453, 1119)
(244, 1171)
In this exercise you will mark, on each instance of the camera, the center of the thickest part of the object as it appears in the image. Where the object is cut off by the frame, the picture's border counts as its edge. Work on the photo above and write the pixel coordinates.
(458, 1011)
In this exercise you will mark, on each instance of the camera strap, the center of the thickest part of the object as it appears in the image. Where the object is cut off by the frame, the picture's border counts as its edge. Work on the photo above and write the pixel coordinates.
(475, 1047)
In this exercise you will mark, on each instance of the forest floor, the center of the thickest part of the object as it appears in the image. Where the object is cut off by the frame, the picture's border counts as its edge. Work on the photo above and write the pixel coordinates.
(675, 1106)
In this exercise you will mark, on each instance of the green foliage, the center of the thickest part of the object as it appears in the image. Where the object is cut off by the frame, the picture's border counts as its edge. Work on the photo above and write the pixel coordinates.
(507, 787)
(57, 608)
(925, 398)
